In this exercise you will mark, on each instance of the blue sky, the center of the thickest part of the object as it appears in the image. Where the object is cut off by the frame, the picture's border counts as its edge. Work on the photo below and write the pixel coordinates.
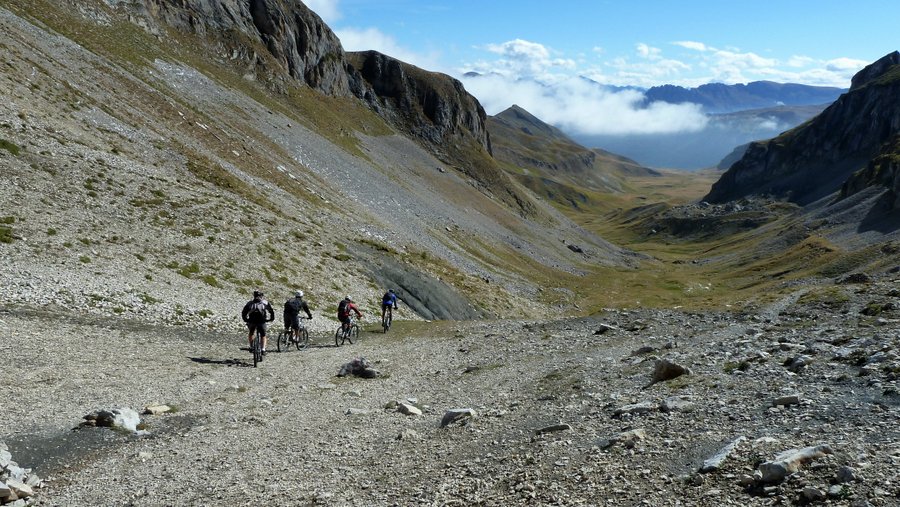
(535, 51)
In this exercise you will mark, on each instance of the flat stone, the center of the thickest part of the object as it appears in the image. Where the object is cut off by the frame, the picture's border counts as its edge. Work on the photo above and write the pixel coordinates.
(408, 409)
(813, 494)
(461, 415)
(553, 429)
(356, 411)
(157, 409)
(407, 434)
(845, 474)
(636, 408)
(628, 439)
(791, 399)
(715, 462)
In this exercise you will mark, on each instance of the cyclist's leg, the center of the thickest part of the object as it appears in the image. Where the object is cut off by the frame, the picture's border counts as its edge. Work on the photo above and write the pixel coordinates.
(250, 335)
(262, 332)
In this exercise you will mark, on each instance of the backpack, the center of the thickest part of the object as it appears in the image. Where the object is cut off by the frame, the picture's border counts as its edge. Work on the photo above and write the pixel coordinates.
(292, 306)
(257, 310)
(342, 307)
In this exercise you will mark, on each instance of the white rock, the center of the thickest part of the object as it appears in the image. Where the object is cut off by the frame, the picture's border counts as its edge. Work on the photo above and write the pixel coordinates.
(789, 462)
(408, 409)
(715, 462)
(18, 487)
(157, 409)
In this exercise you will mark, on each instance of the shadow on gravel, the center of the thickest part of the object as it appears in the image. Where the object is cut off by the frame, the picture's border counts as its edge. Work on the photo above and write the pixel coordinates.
(223, 362)
(48, 455)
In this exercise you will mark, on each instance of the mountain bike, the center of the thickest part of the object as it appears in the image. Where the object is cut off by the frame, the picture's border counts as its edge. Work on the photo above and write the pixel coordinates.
(286, 338)
(346, 333)
(387, 319)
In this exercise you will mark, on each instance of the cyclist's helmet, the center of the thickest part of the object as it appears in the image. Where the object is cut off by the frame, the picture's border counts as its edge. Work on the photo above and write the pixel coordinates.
(348, 298)
(299, 293)
(391, 291)
(257, 293)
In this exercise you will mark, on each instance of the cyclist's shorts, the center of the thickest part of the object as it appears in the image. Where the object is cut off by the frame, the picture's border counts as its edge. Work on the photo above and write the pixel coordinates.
(253, 326)
(344, 318)
(385, 306)
(292, 321)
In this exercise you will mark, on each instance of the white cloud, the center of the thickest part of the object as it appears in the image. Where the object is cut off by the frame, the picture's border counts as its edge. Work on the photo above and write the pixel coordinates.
(798, 61)
(696, 46)
(355, 39)
(579, 106)
(648, 52)
(843, 65)
(326, 9)
(524, 58)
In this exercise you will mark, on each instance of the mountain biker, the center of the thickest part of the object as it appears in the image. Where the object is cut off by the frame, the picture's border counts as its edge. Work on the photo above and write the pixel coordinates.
(345, 306)
(292, 308)
(256, 313)
(387, 301)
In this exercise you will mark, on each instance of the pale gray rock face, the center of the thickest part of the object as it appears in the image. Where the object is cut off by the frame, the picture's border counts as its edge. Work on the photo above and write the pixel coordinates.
(457, 415)
(789, 462)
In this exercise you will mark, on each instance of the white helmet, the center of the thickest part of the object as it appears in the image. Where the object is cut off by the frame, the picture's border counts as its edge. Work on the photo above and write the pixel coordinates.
(299, 293)
(348, 298)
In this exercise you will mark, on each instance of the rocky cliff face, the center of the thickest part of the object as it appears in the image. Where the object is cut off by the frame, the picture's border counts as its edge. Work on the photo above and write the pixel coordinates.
(281, 39)
(815, 159)
(260, 33)
(883, 170)
(428, 105)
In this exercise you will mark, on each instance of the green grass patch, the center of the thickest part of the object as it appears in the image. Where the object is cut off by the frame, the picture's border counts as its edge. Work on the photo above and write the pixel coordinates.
(84, 259)
(6, 234)
(10, 147)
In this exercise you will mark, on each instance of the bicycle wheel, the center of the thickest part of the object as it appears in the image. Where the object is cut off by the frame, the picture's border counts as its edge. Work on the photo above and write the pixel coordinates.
(353, 333)
(338, 337)
(303, 341)
(387, 322)
(257, 351)
(282, 341)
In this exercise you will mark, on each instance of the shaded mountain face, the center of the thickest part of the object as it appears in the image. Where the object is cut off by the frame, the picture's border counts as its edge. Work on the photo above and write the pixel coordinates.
(815, 159)
(722, 98)
(553, 165)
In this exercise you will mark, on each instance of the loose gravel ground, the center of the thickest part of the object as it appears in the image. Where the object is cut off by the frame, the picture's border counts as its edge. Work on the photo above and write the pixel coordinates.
(290, 432)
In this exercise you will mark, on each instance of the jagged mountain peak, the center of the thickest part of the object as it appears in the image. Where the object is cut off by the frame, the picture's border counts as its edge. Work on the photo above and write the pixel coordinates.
(875, 70)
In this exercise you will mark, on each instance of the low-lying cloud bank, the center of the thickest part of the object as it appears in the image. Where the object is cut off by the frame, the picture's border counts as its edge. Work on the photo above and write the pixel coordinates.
(579, 106)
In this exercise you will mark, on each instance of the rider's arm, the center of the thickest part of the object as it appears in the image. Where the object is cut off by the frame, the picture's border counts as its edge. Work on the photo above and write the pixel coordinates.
(271, 312)
(245, 311)
(306, 309)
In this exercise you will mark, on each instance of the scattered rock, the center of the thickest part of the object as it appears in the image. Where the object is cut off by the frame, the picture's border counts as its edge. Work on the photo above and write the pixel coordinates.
(123, 418)
(715, 462)
(791, 399)
(636, 408)
(789, 462)
(811, 494)
(554, 428)
(157, 409)
(796, 364)
(604, 328)
(356, 411)
(667, 370)
(359, 367)
(646, 349)
(408, 409)
(677, 404)
(628, 439)
(457, 415)
(845, 474)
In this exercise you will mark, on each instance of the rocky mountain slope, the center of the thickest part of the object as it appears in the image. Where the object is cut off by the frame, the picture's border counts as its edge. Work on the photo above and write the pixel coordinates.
(814, 160)
(158, 149)
(553, 165)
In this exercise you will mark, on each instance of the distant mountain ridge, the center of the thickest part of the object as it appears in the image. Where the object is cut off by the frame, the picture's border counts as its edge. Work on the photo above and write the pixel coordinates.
(817, 158)
(554, 165)
(723, 98)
